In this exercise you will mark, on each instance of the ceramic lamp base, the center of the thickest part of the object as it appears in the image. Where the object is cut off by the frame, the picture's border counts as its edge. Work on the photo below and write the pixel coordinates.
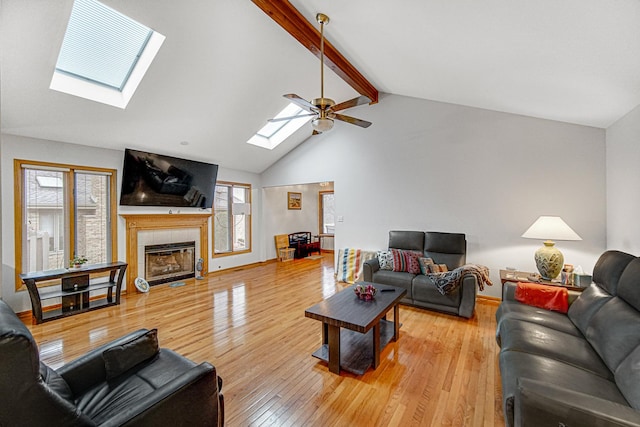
(549, 260)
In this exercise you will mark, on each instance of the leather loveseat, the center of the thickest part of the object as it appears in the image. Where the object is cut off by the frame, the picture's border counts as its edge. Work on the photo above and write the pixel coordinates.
(581, 368)
(443, 248)
(129, 381)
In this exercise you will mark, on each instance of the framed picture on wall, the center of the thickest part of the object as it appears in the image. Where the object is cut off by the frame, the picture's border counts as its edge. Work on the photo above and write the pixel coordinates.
(294, 200)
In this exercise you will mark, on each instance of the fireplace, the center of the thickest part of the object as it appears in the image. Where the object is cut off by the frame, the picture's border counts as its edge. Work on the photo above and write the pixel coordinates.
(169, 262)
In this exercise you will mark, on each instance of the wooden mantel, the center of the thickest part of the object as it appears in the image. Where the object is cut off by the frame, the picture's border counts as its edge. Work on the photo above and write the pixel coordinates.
(139, 222)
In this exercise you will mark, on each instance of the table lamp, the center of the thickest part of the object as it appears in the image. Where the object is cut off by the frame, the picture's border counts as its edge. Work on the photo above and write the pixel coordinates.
(549, 259)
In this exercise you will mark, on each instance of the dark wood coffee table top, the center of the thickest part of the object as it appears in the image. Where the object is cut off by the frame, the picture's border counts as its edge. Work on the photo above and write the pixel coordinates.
(345, 310)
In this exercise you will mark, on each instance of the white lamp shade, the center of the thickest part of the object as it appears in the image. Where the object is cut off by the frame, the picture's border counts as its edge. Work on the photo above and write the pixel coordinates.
(322, 124)
(550, 228)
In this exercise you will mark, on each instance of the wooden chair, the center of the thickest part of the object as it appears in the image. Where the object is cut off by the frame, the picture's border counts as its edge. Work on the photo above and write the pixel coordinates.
(283, 251)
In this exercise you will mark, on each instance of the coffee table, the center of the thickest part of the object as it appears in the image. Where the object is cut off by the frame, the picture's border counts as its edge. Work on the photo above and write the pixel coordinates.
(365, 330)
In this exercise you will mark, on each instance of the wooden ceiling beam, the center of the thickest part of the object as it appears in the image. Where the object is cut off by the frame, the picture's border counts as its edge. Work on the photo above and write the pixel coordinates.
(292, 21)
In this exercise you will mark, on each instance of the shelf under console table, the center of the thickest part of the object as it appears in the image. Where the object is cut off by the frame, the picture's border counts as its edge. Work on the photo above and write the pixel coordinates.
(74, 289)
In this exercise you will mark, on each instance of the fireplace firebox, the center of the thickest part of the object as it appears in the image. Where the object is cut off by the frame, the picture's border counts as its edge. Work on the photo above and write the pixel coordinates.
(169, 262)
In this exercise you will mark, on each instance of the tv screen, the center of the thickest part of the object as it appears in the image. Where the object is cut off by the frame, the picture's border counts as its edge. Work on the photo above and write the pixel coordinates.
(150, 179)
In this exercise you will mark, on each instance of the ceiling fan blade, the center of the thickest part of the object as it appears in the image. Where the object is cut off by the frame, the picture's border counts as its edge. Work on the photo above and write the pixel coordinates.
(352, 120)
(300, 101)
(360, 100)
(279, 119)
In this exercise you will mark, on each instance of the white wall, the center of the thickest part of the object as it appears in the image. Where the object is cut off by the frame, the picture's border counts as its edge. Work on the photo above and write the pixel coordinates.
(278, 219)
(623, 176)
(13, 147)
(425, 165)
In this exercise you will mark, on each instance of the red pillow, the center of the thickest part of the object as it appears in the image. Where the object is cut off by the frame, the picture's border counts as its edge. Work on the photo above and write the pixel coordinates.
(406, 261)
(543, 296)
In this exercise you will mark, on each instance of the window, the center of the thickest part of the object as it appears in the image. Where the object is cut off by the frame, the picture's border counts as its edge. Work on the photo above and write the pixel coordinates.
(104, 54)
(327, 212)
(63, 211)
(231, 218)
(273, 133)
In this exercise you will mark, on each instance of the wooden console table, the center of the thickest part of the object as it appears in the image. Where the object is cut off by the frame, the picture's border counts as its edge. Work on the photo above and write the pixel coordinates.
(73, 288)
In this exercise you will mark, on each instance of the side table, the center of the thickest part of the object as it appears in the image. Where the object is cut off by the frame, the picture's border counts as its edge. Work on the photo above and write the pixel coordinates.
(523, 276)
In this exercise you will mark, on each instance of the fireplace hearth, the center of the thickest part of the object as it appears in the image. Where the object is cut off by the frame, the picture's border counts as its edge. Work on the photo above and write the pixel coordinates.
(169, 262)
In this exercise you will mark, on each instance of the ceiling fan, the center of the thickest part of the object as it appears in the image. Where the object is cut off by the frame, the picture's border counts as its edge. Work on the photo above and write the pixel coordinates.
(325, 108)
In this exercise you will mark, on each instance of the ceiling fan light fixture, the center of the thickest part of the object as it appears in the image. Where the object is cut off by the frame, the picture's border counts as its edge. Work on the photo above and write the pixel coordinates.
(322, 124)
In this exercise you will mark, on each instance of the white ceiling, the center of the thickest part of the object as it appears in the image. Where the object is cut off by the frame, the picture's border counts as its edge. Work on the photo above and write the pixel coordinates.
(225, 64)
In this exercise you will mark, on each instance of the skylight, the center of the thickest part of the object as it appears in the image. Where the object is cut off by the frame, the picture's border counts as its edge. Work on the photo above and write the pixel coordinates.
(273, 133)
(104, 54)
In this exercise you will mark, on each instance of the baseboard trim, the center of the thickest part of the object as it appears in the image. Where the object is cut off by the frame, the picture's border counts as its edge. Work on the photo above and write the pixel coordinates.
(240, 267)
(489, 299)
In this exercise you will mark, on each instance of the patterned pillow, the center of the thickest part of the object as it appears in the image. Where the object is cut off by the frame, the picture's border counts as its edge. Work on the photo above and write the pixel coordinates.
(385, 259)
(438, 268)
(425, 264)
(406, 261)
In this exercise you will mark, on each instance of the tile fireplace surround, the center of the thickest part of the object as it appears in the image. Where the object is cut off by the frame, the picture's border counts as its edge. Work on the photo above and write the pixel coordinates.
(147, 229)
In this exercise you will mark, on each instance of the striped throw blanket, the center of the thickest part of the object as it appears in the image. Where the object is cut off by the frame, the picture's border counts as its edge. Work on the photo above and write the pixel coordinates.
(349, 268)
(450, 281)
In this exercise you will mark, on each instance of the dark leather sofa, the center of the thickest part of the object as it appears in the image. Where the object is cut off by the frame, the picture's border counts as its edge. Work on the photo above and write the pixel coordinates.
(443, 248)
(576, 369)
(128, 382)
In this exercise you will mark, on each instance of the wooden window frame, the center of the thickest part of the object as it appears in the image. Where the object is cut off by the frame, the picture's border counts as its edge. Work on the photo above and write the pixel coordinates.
(231, 184)
(18, 179)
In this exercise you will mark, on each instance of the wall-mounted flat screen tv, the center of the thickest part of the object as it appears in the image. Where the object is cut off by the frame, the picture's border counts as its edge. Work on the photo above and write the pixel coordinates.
(150, 179)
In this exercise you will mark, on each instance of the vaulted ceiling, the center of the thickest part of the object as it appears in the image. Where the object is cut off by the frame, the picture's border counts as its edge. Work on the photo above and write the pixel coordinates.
(225, 65)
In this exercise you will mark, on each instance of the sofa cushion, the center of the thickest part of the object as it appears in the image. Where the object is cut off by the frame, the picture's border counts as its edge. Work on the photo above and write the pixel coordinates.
(629, 284)
(628, 377)
(395, 278)
(446, 248)
(385, 260)
(515, 364)
(527, 337)
(107, 399)
(540, 316)
(586, 305)
(121, 358)
(410, 240)
(56, 383)
(425, 290)
(614, 331)
(609, 268)
(405, 261)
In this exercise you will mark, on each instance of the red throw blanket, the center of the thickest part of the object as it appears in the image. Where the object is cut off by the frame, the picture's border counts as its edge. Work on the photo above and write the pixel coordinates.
(543, 296)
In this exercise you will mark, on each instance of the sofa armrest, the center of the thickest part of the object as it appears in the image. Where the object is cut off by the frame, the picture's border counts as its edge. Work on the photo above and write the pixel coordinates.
(541, 404)
(468, 291)
(190, 399)
(89, 368)
(369, 267)
(509, 291)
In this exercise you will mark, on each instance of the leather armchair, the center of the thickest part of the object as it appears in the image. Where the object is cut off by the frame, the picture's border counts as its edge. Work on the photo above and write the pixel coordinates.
(129, 382)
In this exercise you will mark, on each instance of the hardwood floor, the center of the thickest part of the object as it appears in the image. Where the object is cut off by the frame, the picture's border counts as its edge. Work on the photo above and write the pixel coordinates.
(250, 325)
